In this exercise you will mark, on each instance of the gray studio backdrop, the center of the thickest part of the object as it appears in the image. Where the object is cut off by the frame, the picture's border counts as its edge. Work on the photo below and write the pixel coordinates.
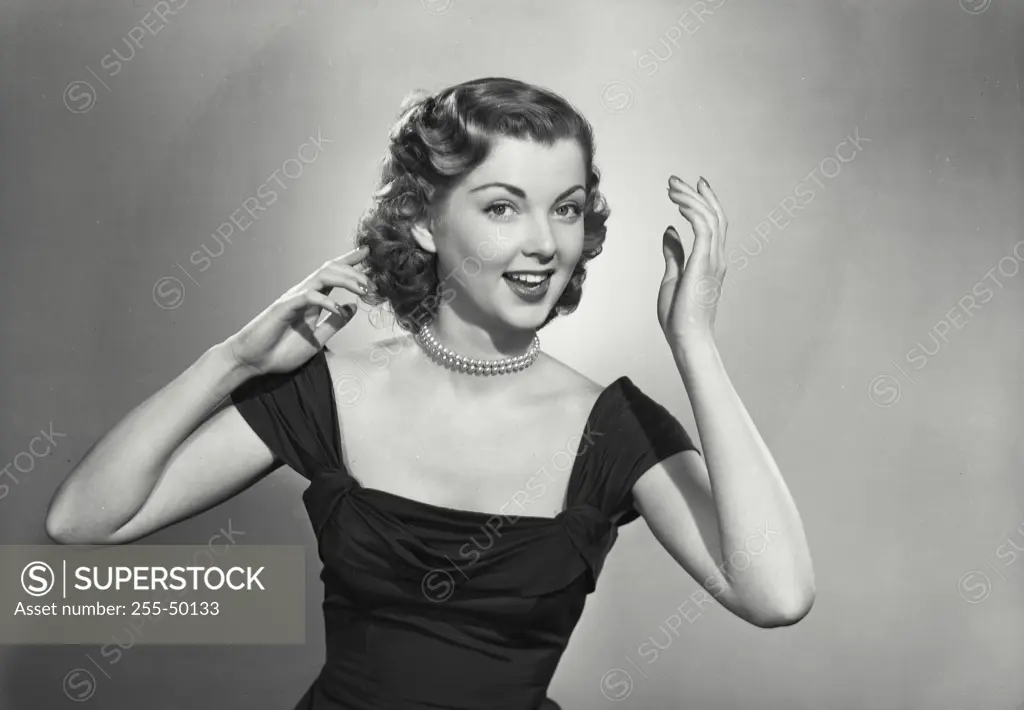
(870, 156)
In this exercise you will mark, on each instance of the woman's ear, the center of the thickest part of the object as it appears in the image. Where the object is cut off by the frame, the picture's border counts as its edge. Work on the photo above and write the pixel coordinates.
(424, 237)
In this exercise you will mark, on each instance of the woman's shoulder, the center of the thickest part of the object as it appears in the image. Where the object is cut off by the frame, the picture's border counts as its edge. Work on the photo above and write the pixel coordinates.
(365, 358)
(620, 398)
(568, 384)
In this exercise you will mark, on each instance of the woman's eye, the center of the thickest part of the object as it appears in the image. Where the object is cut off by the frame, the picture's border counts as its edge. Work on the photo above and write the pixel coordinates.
(570, 209)
(499, 210)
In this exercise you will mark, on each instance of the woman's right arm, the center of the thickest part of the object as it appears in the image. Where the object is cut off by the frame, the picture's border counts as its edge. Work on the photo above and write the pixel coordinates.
(186, 448)
(173, 456)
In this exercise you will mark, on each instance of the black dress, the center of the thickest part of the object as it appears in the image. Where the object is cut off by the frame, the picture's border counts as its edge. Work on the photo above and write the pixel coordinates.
(433, 607)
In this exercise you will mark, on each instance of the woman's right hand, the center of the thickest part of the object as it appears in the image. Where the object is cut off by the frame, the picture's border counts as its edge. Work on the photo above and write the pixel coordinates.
(286, 334)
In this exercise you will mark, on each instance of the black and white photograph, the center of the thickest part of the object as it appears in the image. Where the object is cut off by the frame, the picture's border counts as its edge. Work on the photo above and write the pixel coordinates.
(466, 355)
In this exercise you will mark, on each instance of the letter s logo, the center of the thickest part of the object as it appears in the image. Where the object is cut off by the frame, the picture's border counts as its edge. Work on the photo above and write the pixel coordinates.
(37, 579)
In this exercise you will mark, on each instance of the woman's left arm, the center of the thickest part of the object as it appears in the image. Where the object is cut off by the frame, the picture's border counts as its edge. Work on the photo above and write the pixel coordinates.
(727, 518)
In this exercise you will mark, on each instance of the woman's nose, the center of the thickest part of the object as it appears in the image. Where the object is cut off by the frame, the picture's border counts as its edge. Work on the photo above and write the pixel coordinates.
(541, 241)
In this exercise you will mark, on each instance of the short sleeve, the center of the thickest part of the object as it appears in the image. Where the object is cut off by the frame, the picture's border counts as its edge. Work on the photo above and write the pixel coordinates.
(647, 434)
(293, 414)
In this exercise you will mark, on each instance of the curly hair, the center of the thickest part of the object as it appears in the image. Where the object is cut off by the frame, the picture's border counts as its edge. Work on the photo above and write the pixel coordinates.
(436, 140)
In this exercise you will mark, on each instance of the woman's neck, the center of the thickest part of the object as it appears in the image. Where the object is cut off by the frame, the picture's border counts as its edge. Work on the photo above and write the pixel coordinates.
(473, 341)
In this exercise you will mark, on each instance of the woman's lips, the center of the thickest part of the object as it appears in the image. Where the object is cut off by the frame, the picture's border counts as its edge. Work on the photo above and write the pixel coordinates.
(531, 290)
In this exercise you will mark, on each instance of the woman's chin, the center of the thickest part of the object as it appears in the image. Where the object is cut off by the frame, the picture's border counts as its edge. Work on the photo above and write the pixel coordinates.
(527, 316)
(524, 313)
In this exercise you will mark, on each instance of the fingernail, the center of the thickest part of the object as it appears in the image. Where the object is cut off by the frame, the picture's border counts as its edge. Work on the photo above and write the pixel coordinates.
(705, 181)
(674, 180)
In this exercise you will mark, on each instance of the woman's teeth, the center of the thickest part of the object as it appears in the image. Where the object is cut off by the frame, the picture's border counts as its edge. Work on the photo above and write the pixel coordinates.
(527, 279)
(527, 286)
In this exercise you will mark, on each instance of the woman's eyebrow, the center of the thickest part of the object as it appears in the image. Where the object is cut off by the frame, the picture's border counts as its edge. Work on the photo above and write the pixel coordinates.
(519, 192)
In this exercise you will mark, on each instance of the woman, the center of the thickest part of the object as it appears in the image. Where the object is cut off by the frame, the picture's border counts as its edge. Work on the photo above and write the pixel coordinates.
(457, 550)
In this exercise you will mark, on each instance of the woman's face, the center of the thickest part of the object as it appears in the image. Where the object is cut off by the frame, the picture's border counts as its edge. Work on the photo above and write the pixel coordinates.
(508, 237)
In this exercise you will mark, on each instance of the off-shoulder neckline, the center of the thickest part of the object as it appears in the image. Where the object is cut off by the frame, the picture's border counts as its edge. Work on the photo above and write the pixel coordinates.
(595, 409)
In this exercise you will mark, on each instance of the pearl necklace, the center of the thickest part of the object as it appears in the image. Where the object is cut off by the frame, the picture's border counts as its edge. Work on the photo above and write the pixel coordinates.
(473, 366)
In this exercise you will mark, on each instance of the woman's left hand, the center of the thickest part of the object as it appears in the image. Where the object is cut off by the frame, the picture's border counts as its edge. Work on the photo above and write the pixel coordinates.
(688, 299)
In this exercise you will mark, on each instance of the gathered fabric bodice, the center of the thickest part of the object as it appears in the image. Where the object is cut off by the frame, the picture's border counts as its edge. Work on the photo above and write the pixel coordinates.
(433, 607)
